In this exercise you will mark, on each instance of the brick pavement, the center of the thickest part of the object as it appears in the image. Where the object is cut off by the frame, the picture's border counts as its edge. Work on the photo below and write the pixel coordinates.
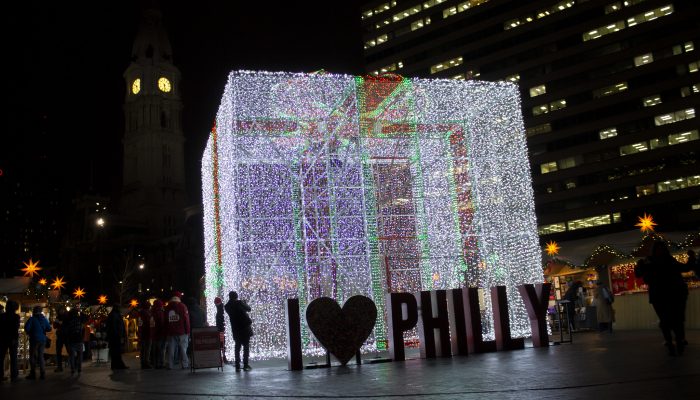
(630, 365)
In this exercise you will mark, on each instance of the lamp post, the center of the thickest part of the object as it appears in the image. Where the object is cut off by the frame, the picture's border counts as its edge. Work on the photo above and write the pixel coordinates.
(100, 223)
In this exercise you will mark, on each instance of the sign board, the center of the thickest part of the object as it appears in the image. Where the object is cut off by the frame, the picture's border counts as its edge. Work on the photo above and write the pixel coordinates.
(206, 348)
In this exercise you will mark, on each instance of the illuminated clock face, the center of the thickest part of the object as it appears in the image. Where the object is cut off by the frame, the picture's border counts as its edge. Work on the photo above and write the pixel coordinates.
(136, 86)
(164, 84)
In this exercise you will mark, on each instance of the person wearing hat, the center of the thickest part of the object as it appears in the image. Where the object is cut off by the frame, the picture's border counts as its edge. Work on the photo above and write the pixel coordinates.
(36, 327)
(219, 304)
(178, 319)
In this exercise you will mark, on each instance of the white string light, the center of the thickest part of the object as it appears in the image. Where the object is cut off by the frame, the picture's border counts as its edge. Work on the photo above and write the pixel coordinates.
(332, 185)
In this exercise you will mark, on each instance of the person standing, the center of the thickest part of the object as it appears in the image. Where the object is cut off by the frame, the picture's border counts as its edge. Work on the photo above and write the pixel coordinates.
(9, 339)
(604, 311)
(144, 334)
(219, 304)
(241, 329)
(178, 319)
(668, 292)
(115, 337)
(159, 331)
(36, 327)
(73, 333)
(60, 339)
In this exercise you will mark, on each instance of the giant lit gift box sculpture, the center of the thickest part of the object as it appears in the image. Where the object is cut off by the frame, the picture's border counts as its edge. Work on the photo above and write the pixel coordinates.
(333, 185)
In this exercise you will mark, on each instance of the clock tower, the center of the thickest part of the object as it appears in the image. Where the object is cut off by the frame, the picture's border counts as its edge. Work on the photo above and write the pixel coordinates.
(153, 190)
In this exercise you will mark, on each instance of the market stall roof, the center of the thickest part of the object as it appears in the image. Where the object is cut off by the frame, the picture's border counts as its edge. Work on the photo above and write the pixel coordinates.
(15, 285)
(605, 249)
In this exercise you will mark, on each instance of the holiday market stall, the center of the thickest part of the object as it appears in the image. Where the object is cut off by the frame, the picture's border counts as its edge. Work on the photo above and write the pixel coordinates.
(614, 265)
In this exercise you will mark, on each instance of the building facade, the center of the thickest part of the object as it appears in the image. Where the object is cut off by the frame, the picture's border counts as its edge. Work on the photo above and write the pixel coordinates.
(609, 91)
(154, 172)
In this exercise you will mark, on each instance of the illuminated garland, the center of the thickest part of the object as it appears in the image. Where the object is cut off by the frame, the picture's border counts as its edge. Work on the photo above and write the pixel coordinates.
(331, 185)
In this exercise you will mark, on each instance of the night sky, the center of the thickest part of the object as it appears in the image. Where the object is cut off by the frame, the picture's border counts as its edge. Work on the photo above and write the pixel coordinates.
(66, 60)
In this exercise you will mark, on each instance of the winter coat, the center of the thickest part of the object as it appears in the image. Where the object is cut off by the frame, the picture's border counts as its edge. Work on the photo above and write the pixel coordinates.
(237, 311)
(177, 317)
(144, 324)
(36, 327)
(220, 317)
(159, 325)
(9, 324)
(73, 329)
(604, 312)
(663, 276)
(115, 327)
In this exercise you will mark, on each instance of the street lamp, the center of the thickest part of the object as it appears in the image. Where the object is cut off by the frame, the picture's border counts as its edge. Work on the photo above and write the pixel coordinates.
(100, 222)
(142, 266)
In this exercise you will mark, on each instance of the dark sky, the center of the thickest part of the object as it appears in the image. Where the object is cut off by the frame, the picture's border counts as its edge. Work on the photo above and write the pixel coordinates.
(66, 61)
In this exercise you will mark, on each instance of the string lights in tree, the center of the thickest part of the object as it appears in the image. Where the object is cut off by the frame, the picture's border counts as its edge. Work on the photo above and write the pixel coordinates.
(332, 185)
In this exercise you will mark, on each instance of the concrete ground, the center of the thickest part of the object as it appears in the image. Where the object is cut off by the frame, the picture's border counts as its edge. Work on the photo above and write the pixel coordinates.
(623, 365)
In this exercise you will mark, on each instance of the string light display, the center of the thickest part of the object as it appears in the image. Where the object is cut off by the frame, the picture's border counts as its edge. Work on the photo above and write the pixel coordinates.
(79, 293)
(43, 281)
(333, 185)
(102, 299)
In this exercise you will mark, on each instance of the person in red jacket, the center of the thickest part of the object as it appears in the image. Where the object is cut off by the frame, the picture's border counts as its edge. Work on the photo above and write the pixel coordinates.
(159, 333)
(144, 324)
(178, 320)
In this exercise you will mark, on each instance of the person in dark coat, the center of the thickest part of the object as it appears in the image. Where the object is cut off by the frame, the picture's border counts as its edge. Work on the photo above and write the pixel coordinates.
(60, 339)
(36, 327)
(144, 334)
(237, 311)
(115, 337)
(9, 339)
(73, 333)
(571, 296)
(158, 333)
(668, 292)
(219, 304)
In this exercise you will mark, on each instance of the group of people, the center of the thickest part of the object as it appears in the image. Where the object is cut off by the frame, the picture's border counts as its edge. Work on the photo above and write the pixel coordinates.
(602, 298)
(73, 334)
(162, 330)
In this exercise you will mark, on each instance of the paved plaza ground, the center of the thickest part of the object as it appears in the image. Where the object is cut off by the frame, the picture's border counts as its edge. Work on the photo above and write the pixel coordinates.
(623, 365)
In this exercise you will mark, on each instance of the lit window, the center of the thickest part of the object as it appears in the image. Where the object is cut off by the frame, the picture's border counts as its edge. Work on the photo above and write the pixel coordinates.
(610, 90)
(561, 6)
(552, 228)
(461, 7)
(688, 47)
(538, 90)
(643, 59)
(548, 167)
(657, 143)
(538, 110)
(670, 118)
(678, 138)
(419, 24)
(383, 38)
(557, 105)
(406, 13)
(673, 184)
(607, 133)
(592, 221)
(431, 3)
(446, 65)
(650, 15)
(611, 8)
(459, 77)
(634, 148)
(513, 78)
(570, 184)
(645, 190)
(604, 30)
(693, 67)
(651, 100)
(539, 129)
